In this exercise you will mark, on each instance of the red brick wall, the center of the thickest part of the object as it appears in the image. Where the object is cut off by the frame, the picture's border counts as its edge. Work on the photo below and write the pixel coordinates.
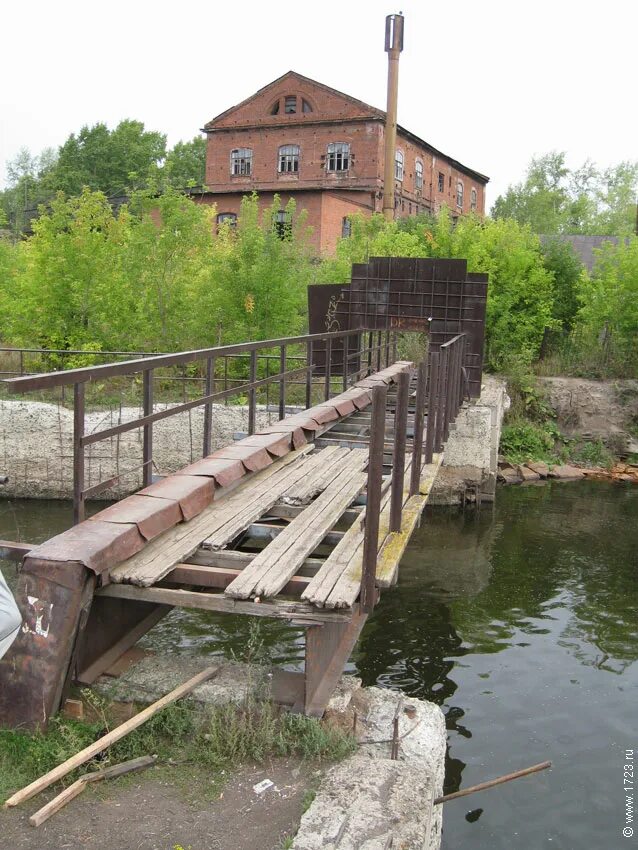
(312, 140)
(334, 118)
(325, 211)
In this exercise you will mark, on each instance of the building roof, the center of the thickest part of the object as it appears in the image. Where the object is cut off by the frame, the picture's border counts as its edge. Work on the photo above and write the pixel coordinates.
(583, 246)
(372, 111)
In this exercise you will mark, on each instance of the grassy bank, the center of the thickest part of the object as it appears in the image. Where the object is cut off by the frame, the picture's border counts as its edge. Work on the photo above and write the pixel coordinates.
(186, 739)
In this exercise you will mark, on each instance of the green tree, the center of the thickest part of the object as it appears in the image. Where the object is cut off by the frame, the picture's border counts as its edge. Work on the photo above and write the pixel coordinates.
(560, 260)
(185, 164)
(610, 297)
(554, 200)
(110, 161)
(259, 280)
(72, 292)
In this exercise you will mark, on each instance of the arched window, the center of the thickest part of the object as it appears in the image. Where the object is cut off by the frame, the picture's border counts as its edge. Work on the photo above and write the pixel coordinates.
(418, 174)
(473, 199)
(288, 159)
(241, 162)
(290, 104)
(398, 165)
(305, 106)
(338, 156)
(274, 109)
(346, 226)
(459, 194)
(229, 217)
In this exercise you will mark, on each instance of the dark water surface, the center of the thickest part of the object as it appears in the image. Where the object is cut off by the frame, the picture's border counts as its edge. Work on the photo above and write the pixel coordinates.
(521, 623)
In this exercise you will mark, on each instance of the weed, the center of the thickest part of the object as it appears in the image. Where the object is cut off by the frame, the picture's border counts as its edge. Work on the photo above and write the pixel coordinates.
(308, 799)
(594, 453)
(522, 441)
(287, 842)
(223, 738)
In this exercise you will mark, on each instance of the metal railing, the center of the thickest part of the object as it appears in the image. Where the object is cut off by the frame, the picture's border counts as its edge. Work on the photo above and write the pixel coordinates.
(441, 384)
(348, 356)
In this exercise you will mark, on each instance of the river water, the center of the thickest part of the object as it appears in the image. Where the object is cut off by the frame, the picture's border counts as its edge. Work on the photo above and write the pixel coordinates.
(521, 623)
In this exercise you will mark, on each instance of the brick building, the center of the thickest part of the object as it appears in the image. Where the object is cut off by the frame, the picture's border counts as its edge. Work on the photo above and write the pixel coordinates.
(299, 138)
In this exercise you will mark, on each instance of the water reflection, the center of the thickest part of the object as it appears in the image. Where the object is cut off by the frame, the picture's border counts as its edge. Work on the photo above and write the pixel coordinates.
(521, 624)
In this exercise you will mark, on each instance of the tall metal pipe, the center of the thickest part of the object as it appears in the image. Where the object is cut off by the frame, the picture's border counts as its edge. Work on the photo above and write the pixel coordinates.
(393, 47)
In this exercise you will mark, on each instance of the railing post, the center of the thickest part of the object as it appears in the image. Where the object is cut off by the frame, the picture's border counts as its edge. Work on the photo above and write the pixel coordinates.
(370, 343)
(395, 339)
(387, 349)
(417, 445)
(209, 389)
(378, 351)
(147, 443)
(78, 453)
(433, 380)
(398, 454)
(252, 393)
(373, 503)
(440, 400)
(328, 368)
(448, 392)
(346, 346)
(282, 382)
(309, 351)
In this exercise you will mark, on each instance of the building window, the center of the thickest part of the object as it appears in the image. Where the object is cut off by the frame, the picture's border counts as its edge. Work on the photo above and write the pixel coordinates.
(338, 156)
(229, 217)
(274, 109)
(305, 106)
(241, 162)
(398, 165)
(289, 159)
(459, 194)
(346, 227)
(290, 105)
(282, 224)
(473, 200)
(418, 174)
(441, 181)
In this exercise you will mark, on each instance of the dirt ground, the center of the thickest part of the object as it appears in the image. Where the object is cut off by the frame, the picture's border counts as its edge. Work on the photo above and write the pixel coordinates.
(155, 812)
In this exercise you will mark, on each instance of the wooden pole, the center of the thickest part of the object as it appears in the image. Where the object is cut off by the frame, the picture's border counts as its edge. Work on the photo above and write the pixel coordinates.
(103, 743)
(70, 793)
(492, 782)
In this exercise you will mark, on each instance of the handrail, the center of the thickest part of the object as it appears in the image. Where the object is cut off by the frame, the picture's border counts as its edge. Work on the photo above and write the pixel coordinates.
(48, 380)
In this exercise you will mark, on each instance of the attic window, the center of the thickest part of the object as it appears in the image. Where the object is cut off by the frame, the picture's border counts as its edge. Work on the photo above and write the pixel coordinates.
(305, 106)
(290, 105)
(274, 110)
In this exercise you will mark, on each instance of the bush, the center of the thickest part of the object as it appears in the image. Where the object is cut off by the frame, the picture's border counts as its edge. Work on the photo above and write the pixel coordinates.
(523, 441)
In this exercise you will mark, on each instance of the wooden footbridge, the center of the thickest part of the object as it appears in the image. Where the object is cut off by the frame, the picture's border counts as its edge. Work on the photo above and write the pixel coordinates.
(305, 519)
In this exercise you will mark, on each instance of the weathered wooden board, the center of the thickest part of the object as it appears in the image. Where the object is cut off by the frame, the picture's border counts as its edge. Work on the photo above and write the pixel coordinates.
(310, 485)
(279, 561)
(239, 513)
(159, 556)
(338, 582)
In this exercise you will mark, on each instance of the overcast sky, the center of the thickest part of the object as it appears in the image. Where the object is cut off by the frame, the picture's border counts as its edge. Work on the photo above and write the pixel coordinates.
(490, 83)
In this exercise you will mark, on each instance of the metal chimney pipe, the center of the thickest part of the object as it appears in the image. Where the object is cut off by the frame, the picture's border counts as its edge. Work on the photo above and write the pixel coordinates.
(393, 47)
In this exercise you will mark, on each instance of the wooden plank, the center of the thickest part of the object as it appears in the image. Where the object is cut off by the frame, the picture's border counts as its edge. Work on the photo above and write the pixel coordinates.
(296, 612)
(291, 511)
(221, 577)
(323, 474)
(270, 531)
(157, 558)
(107, 740)
(243, 510)
(229, 558)
(273, 567)
(58, 802)
(346, 588)
(395, 544)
